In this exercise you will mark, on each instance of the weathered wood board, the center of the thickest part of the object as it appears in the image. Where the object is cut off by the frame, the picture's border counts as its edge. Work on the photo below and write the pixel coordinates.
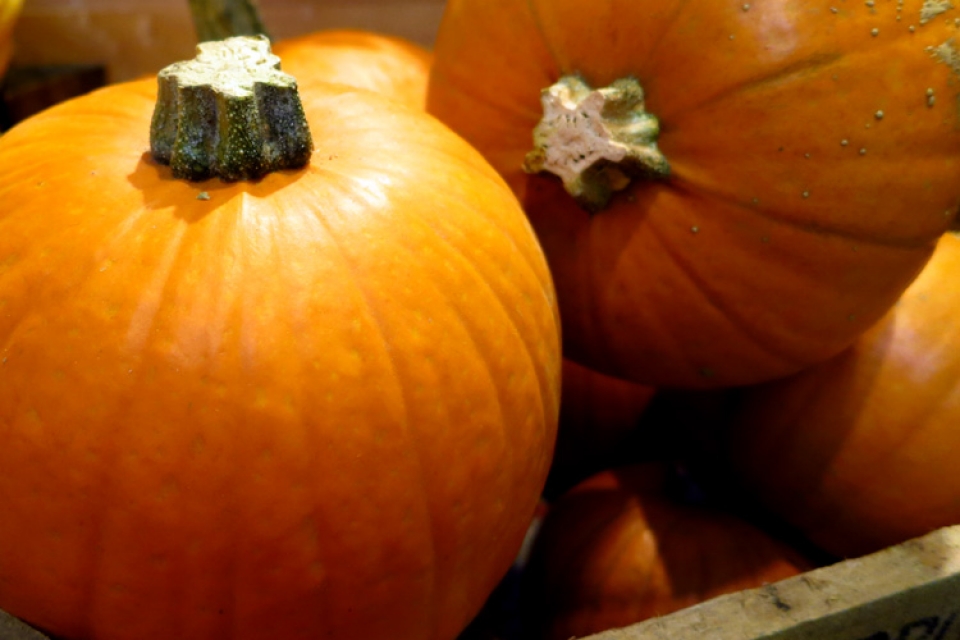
(907, 592)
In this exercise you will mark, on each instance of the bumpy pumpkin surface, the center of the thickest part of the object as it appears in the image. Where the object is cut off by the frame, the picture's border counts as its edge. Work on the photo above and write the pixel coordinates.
(810, 154)
(861, 451)
(318, 405)
(619, 548)
(388, 65)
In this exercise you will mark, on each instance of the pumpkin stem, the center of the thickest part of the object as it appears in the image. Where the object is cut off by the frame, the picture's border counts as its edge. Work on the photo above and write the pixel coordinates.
(220, 19)
(596, 140)
(229, 113)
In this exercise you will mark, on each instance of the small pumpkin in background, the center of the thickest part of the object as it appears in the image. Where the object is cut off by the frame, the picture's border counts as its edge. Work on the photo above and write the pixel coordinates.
(726, 192)
(599, 420)
(9, 11)
(626, 545)
(860, 452)
(389, 65)
(392, 66)
(319, 402)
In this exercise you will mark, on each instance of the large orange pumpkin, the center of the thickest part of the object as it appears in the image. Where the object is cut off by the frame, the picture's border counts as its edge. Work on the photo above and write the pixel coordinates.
(386, 64)
(619, 548)
(317, 405)
(861, 451)
(786, 169)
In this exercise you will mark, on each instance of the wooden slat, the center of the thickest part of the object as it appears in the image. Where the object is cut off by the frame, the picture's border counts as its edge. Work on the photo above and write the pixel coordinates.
(907, 592)
(13, 629)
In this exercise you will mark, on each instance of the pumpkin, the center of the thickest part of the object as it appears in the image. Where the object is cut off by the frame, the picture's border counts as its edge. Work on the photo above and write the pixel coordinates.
(860, 452)
(9, 11)
(599, 419)
(321, 403)
(386, 64)
(726, 192)
(620, 548)
(389, 65)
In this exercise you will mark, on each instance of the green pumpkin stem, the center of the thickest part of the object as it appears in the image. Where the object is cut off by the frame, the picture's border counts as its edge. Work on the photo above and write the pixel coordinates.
(221, 19)
(596, 140)
(229, 113)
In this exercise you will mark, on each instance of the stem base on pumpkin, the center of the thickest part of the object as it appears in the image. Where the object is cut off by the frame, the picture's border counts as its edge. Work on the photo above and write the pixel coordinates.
(229, 113)
(596, 140)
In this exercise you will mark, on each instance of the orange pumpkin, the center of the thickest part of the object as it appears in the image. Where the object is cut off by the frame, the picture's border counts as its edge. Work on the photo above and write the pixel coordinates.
(599, 418)
(861, 451)
(388, 65)
(618, 549)
(777, 172)
(319, 404)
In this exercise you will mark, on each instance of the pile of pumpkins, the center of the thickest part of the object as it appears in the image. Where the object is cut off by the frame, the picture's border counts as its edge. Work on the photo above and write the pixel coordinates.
(683, 270)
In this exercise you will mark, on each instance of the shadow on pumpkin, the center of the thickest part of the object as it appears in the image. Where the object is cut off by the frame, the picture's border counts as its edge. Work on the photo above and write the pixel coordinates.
(637, 542)
(835, 450)
(192, 201)
(568, 234)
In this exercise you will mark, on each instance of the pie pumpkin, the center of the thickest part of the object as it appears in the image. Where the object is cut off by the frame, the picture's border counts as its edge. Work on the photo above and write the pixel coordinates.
(321, 402)
(726, 192)
(860, 452)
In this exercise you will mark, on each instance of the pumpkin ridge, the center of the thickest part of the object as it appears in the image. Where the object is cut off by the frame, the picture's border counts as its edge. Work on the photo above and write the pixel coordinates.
(144, 317)
(481, 275)
(472, 332)
(400, 382)
(733, 318)
(686, 184)
(538, 26)
(483, 96)
(668, 25)
(796, 69)
(482, 278)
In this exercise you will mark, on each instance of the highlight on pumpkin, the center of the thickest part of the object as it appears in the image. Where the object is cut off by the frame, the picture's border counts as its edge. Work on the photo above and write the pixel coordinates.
(229, 113)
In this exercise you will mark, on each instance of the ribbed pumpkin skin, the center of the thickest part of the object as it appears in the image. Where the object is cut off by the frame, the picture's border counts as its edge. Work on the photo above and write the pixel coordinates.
(388, 65)
(861, 451)
(775, 242)
(322, 405)
(617, 550)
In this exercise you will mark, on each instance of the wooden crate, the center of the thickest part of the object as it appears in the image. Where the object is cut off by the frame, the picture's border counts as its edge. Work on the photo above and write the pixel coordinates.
(907, 592)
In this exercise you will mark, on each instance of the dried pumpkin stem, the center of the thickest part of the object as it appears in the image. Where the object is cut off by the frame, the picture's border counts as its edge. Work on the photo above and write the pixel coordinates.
(221, 19)
(229, 113)
(596, 140)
